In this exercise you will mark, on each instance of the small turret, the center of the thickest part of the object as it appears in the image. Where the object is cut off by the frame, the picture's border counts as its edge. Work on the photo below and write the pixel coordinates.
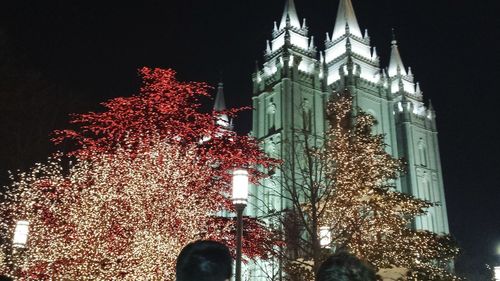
(268, 47)
(418, 91)
(374, 54)
(431, 113)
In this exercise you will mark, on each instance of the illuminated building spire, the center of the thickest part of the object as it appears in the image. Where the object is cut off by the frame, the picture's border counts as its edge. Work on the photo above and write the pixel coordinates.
(401, 79)
(291, 13)
(290, 47)
(220, 102)
(346, 16)
(220, 106)
(337, 54)
(396, 66)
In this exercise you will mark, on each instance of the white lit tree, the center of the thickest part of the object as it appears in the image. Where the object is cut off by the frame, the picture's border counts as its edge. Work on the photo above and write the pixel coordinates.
(367, 215)
(346, 188)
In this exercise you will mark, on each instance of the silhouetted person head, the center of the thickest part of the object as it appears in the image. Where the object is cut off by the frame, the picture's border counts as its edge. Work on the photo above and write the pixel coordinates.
(345, 267)
(204, 261)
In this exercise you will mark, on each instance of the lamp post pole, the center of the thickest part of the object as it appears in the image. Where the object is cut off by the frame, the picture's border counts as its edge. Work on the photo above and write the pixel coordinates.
(240, 199)
(239, 212)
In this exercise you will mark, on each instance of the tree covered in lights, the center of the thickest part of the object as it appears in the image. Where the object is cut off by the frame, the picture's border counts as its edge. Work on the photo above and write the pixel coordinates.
(147, 175)
(343, 198)
(367, 215)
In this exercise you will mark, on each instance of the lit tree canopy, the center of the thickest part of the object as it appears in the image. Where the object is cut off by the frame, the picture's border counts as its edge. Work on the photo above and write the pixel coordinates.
(343, 193)
(375, 220)
(148, 175)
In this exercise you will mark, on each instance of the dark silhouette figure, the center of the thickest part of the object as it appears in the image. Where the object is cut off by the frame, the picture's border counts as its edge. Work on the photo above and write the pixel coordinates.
(345, 267)
(204, 261)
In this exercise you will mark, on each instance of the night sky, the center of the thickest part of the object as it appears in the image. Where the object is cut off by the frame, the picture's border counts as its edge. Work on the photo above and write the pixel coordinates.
(88, 51)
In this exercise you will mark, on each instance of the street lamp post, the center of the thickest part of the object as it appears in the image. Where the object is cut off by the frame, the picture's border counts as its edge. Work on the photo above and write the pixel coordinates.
(496, 273)
(19, 243)
(240, 199)
(20, 234)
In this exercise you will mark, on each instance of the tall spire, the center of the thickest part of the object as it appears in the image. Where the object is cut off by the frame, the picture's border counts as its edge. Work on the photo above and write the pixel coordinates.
(290, 13)
(220, 103)
(396, 63)
(220, 106)
(346, 16)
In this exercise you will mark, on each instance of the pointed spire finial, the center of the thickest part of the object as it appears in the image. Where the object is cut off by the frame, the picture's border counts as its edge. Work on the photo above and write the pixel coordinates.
(289, 14)
(311, 43)
(394, 42)
(396, 66)
(346, 15)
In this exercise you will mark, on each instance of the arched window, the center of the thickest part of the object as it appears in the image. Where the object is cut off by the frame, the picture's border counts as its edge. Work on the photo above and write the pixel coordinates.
(271, 116)
(422, 152)
(306, 113)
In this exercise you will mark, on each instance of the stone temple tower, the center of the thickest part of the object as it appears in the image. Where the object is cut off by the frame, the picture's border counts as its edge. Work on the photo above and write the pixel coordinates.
(292, 86)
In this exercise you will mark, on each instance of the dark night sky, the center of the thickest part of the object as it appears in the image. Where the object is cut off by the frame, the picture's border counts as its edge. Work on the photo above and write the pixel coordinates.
(94, 48)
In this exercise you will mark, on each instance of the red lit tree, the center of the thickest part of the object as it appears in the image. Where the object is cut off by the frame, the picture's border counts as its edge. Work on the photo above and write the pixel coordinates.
(149, 175)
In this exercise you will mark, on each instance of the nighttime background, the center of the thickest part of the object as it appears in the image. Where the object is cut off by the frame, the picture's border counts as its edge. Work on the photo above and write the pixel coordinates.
(58, 57)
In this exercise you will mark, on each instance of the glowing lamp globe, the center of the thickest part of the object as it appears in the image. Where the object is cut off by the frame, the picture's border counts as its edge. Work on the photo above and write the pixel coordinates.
(240, 187)
(496, 271)
(21, 234)
(325, 237)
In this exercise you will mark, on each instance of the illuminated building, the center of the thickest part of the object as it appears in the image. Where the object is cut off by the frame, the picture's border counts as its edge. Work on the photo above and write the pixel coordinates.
(296, 78)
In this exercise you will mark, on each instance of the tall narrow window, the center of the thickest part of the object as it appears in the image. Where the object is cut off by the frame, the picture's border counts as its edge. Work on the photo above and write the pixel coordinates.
(422, 152)
(306, 114)
(271, 116)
